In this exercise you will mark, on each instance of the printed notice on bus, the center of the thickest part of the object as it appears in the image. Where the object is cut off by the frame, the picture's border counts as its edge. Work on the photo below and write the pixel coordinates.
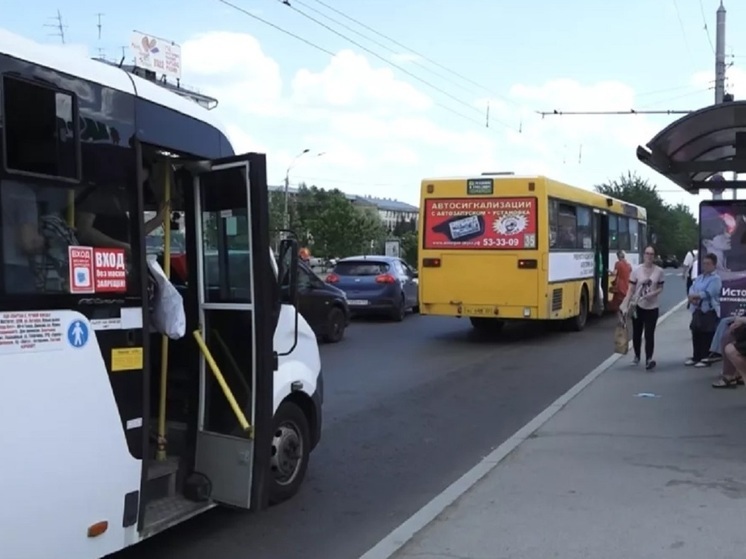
(97, 270)
(81, 269)
(480, 223)
(110, 270)
(30, 332)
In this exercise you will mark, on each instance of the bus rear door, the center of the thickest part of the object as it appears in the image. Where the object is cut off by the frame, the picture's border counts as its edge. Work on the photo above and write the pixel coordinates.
(229, 339)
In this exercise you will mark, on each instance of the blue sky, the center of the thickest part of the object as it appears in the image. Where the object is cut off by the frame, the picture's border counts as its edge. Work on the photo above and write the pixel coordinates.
(383, 130)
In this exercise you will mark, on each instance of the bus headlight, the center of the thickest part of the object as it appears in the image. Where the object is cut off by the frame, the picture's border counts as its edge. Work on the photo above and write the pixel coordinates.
(526, 312)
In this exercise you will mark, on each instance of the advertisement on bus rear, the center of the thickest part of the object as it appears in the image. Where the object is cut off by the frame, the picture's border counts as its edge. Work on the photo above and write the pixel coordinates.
(480, 223)
(722, 232)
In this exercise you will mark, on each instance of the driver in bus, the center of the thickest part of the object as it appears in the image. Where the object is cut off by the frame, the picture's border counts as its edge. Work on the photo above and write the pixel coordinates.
(21, 237)
(103, 220)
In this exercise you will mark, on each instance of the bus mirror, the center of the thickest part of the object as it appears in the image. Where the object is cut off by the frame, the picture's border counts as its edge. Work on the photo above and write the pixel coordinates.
(288, 270)
(287, 276)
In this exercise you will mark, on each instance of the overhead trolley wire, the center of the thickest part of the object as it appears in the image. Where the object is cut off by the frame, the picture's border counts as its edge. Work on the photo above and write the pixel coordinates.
(705, 26)
(457, 83)
(681, 27)
(411, 50)
(392, 64)
(277, 27)
(332, 54)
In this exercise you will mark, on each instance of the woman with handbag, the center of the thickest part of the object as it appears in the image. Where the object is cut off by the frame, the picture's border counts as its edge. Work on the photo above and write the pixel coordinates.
(704, 304)
(641, 303)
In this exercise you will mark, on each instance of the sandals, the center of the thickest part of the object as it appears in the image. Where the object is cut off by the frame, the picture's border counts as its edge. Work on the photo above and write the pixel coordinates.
(725, 382)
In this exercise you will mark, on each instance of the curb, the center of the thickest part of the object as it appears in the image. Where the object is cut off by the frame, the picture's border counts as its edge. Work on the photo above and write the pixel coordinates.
(401, 535)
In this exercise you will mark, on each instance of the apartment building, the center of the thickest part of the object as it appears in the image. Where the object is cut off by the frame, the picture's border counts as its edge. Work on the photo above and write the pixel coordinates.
(391, 211)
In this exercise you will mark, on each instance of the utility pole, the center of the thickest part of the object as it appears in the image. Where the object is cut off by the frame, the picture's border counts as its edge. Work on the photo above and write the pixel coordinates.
(720, 75)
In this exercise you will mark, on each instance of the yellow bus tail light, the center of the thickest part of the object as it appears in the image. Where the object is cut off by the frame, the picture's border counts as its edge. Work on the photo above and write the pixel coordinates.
(529, 264)
(431, 262)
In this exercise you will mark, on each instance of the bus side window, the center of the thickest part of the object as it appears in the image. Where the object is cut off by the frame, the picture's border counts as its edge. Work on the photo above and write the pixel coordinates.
(36, 237)
(40, 130)
(624, 233)
(553, 227)
(613, 232)
(585, 229)
(567, 222)
(634, 237)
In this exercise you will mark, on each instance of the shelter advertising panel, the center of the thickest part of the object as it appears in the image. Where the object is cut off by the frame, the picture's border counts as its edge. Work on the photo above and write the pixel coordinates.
(480, 223)
(723, 233)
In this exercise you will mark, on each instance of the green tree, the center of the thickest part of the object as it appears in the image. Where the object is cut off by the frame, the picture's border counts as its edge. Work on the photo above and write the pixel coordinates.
(410, 247)
(328, 222)
(404, 226)
(675, 227)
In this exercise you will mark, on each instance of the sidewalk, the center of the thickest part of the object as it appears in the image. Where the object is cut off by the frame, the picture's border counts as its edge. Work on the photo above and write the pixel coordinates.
(613, 475)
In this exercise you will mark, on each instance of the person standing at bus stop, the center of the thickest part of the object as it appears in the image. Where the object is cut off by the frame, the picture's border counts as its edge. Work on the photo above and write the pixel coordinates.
(641, 303)
(704, 304)
(688, 272)
(620, 285)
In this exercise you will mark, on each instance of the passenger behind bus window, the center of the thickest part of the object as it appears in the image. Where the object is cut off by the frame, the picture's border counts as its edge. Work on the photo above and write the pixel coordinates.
(21, 238)
(102, 218)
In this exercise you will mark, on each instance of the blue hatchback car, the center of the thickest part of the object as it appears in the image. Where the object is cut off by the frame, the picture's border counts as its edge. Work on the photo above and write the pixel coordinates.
(377, 285)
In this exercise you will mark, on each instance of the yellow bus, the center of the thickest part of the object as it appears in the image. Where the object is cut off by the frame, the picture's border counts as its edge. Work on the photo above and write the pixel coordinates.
(502, 247)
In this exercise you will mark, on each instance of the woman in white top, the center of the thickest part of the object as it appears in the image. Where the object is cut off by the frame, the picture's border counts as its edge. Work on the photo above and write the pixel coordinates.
(645, 286)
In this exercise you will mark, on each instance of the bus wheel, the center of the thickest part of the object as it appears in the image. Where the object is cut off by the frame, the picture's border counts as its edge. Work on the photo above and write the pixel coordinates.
(291, 446)
(577, 323)
(488, 325)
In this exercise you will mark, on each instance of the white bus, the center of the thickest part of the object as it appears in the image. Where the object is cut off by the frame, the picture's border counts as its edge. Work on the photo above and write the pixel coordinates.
(109, 431)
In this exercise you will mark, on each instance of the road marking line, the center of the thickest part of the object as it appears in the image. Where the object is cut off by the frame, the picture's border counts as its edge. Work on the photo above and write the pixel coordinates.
(395, 540)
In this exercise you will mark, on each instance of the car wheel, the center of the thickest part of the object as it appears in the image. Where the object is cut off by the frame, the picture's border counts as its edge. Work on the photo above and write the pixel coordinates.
(399, 311)
(291, 448)
(335, 326)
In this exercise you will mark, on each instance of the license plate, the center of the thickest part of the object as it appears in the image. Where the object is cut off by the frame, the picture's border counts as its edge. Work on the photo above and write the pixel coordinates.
(357, 302)
(479, 310)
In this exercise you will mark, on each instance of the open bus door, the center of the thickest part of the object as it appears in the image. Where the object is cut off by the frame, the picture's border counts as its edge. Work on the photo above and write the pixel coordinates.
(228, 334)
(600, 261)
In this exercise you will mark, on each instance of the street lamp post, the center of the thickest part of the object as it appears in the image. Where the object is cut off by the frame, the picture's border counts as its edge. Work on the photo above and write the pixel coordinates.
(286, 215)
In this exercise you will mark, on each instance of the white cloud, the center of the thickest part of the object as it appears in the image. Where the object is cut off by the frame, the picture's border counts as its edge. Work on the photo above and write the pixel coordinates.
(379, 129)
(403, 57)
(349, 82)
(233, 68)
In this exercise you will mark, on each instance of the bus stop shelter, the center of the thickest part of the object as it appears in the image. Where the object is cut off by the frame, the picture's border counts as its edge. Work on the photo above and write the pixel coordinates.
(691, 151)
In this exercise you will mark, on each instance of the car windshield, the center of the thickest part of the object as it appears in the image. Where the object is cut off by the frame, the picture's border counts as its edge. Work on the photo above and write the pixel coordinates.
(361, 268)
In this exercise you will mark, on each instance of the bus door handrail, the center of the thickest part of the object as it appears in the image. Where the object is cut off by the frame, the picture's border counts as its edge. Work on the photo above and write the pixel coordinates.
(231, 360)
(227, 392)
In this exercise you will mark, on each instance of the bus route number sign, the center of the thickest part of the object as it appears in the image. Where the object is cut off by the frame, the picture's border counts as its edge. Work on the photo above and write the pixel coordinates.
(477, 187)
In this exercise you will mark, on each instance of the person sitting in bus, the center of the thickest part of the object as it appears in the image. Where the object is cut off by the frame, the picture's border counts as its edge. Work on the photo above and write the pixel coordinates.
(620, 285)
(103, 217)
(21, 238)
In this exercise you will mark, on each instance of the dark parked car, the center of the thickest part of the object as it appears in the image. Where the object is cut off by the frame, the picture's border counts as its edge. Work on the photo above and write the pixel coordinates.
(377, 284)
(322, 305)
(667, 262)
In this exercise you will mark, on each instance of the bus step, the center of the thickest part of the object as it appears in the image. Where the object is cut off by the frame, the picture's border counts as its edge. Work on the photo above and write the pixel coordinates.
(162, 477)
(167, 511)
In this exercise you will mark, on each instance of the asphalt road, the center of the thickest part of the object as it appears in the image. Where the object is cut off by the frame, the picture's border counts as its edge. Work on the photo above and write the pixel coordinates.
(409, 408)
